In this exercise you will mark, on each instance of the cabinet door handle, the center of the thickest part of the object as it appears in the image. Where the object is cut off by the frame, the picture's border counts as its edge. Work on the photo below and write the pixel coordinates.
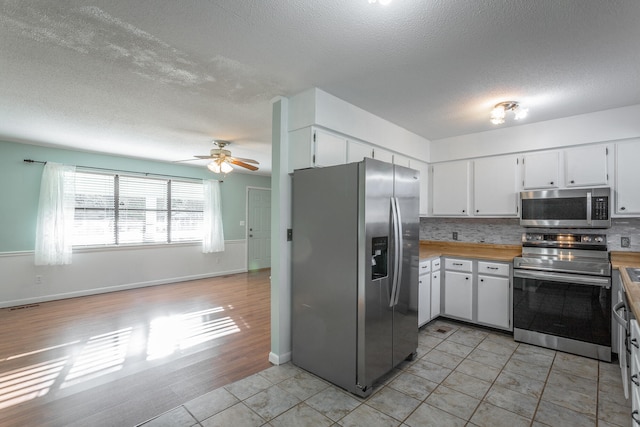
(634, 379)
(459, 264)
(634, 342)
(634, 415)
(492, 268)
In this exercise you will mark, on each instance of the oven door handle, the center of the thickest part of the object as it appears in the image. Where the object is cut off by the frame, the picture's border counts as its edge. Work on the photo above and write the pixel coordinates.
(617, 316)
(603, 282)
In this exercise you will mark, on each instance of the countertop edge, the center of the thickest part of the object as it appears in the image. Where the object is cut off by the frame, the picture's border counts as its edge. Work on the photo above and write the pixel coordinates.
(484, 251)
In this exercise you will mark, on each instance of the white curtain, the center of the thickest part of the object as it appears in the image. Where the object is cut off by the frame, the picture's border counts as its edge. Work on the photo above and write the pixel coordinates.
(213, 239)
(54, 228)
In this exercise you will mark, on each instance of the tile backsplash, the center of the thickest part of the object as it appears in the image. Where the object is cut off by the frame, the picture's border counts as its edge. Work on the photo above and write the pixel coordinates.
(507, 231)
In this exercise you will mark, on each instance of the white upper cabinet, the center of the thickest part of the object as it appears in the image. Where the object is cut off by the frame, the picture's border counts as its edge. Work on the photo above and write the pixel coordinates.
(541, 170)
(357, 151)
(495, 186)
(423, 168)
(627, 195)
(586, 166)
(383, 155)
(450, 184)
(312, 147)
(330, 149)
(401, 160)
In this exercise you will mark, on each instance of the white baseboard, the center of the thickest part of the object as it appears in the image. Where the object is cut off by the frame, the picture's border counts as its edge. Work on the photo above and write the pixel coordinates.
(279, 359)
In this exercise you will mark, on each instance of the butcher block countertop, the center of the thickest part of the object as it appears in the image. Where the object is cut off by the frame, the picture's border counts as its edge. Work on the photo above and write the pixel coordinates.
(620, 260)
(487, 251)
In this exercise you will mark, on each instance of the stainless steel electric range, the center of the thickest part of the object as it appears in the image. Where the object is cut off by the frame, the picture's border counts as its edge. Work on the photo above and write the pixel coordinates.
(562, 293)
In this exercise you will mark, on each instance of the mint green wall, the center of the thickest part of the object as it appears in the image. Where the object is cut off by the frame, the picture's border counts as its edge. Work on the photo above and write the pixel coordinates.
(20, 188)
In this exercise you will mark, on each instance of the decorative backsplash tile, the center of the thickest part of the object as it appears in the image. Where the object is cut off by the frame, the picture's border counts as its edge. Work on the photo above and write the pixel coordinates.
(507, 231)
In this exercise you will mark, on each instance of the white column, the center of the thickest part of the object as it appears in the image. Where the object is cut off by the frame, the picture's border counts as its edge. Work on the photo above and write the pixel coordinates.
(280, 247)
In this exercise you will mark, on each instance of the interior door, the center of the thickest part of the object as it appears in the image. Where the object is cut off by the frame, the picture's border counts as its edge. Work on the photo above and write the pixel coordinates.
(259, 229)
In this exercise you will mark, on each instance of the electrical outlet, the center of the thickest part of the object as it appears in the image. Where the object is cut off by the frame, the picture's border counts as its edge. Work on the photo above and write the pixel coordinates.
(455, 235)
(625, 242)
(38, 280)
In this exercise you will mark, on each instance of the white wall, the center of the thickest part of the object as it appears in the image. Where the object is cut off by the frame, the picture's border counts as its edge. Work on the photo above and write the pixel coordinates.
(601, 126)
(316, 107)
(112, 269)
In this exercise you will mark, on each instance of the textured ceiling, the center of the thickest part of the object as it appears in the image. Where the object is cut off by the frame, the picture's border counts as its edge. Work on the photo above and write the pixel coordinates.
(160, 79)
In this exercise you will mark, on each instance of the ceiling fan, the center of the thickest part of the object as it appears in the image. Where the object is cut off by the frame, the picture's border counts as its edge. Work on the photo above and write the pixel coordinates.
(221, 159)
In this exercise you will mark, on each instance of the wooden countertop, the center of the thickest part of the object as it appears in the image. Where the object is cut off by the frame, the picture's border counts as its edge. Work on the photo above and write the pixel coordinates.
(488, 251)
(620, 260)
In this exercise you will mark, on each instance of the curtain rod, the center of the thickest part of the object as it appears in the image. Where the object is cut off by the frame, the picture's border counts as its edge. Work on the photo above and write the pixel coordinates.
(120, 170)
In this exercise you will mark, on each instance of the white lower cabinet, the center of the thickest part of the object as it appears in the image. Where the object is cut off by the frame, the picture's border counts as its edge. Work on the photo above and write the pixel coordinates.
(435, 293)
(635, 372)
(478, 292)
(424, 292)
(458, 295)
(493, 301)
(428, 290)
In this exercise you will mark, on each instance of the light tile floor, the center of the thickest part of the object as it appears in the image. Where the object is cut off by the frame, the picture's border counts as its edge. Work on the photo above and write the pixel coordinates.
(463, 376)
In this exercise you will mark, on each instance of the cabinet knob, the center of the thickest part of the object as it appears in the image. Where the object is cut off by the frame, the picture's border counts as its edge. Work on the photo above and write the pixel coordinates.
(551, 183)
(572, 181)
(622, 208)
(463, 211)
(466, 278)
(477, 210)
(482, 280)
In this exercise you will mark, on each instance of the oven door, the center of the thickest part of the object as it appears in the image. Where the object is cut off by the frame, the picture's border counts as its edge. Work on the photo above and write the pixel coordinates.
(569, 312)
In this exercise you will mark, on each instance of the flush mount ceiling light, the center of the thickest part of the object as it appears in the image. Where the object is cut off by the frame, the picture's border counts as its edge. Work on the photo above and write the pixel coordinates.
(499, 112)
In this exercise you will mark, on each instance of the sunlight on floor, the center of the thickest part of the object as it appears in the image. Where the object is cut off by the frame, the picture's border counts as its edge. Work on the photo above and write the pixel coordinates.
(173, 333)
(107, 353)
(27, 383)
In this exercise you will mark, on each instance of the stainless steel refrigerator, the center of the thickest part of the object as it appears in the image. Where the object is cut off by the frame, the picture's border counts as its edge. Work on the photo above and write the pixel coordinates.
(354, 271)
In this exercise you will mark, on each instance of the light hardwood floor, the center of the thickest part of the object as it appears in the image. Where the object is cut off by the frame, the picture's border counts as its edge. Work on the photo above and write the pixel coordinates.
(121, 358)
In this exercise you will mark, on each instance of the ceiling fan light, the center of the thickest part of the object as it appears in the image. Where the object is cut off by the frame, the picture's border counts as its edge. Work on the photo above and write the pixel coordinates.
(214, 167)
(497, 114)
(520, 113)
(226, 167)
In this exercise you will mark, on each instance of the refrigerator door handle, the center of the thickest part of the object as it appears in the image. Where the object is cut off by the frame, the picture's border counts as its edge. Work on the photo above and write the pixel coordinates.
(400, 251)
(394, 231)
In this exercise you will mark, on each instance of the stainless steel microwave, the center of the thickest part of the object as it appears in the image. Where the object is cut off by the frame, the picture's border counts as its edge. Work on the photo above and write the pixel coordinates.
(574, 208)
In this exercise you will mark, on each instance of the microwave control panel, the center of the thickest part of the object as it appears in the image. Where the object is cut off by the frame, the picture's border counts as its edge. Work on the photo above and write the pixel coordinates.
(600, 208)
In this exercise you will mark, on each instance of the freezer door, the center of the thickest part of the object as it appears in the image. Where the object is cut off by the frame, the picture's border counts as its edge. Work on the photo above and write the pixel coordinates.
(405, 320)
(375, 311)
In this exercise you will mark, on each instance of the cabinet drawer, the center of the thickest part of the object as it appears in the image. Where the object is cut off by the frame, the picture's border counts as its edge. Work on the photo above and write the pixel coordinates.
(494, 268)
(458, 264)
(435, 264)
(425, 267)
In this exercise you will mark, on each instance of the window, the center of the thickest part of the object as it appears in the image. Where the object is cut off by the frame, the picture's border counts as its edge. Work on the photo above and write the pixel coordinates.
(113, 209)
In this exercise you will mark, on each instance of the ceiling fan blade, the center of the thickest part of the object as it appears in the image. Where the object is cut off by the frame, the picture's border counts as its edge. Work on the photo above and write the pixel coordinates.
(183, 160)
(206, 157)
(255, 162)
(242, 164)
